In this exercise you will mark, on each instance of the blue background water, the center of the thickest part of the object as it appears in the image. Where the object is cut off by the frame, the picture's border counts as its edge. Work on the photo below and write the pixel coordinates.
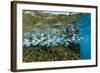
(84, 23)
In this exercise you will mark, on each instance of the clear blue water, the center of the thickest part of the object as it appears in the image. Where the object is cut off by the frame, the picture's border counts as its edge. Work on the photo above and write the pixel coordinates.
(84, 23)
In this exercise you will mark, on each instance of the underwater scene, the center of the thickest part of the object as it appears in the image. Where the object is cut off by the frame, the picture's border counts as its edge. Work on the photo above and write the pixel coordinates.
(56, 35)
